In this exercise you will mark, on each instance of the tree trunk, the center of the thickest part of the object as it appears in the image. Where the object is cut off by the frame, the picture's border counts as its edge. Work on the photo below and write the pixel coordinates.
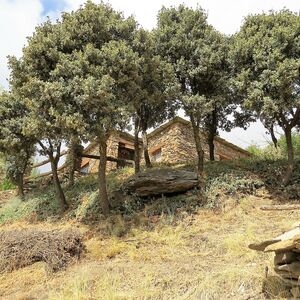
(145, 149)
(200, 154)
(290, 152)
(102, 174)
(274, 139)
(211, 147)
(20, 186)
(212, 131)
(74, 159)
(59, 191)
(137, 167)
(71, 177)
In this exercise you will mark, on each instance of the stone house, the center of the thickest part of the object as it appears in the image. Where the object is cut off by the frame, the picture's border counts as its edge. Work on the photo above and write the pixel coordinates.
(170, 143)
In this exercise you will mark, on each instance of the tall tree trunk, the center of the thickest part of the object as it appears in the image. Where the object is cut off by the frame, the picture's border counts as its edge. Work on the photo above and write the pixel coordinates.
(290, 152)
(212, 131)
(211, 145)
(102, 174)
(145, 149)
(137, 167)
(274, 139)
(20, 185)
(73, 158)
(200, 154)
(59, 191)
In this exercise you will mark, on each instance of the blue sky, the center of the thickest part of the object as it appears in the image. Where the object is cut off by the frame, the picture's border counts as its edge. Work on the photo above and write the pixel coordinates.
(53, 6)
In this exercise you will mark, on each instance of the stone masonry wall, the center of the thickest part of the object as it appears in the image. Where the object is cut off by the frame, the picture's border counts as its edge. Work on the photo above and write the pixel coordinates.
(178, 146)
(112, 150)
(175, 143)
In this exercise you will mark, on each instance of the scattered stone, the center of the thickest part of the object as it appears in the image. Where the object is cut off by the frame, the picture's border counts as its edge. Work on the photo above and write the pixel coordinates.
(287, 256)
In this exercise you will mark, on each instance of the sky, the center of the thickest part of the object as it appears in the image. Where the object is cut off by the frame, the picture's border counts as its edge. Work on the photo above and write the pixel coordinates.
(18, 19)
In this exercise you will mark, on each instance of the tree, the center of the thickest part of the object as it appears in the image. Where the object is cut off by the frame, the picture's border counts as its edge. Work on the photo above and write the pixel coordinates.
(16, 147)
(33, 84)
(77, 78)
(98, 71)
(73, 160)
(155, 101)
(266, 57)
(195, 49)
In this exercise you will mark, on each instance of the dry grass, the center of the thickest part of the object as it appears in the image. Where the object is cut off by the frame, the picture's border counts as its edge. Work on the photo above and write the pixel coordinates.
(200, 256)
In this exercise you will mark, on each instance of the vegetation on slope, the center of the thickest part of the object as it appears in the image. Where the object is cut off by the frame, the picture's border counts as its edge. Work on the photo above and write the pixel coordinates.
(145, 248)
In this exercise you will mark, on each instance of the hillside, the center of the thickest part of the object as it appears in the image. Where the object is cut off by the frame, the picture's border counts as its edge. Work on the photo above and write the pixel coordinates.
(165, 248)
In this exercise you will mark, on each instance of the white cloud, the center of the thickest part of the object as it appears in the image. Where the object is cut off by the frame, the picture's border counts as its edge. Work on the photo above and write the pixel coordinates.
(18, 19)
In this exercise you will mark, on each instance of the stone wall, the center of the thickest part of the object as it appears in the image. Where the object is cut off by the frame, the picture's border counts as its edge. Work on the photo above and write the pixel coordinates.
(174, 142)
(112, 150)
(177, 145)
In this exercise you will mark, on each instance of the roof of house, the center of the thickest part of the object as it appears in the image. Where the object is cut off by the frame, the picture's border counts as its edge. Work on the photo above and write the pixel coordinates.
(159, 129)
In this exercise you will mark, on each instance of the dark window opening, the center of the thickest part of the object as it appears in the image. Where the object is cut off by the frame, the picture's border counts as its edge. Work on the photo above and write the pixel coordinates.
(124, 153)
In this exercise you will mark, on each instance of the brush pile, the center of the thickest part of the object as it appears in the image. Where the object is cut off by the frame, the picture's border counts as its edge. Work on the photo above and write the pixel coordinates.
(24, 247)
(287, 254)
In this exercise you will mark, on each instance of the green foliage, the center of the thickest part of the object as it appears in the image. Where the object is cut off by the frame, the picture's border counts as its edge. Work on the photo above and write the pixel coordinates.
(5, 184)
(16, 147)
(199, 57)
(296, 145)
(269, 152)
(266, 57)
(40, 206)
(254, 149)
(155, 100)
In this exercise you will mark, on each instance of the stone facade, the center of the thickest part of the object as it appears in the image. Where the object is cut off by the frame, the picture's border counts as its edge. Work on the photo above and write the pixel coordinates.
(175, 141)
(170, 143)
(91, 165)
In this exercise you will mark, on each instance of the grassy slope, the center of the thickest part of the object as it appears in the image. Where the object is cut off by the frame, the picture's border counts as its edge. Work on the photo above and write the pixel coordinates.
(171, 248)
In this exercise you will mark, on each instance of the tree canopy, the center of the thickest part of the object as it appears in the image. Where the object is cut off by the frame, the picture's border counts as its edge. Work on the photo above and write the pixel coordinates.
(266, 54)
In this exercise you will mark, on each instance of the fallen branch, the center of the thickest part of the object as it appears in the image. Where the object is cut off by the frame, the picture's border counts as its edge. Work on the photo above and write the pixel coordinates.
(281, 207)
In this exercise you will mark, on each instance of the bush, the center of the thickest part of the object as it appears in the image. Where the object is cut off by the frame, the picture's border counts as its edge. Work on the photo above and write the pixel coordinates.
(271, 153)
(6, 185)
(21, 248)
(296, 144)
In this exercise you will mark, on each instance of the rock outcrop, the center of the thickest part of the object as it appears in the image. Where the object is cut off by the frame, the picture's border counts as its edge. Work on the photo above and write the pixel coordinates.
(160, 182)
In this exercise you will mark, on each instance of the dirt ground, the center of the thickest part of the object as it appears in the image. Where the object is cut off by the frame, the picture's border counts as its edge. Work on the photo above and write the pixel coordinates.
(199, 256)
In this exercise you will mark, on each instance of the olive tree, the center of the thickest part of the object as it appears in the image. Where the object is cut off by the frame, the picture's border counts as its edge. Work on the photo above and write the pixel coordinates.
(17, 148)
(266, 58)
(36, 89)
(197, 53)
(156, 100)
(98, 71)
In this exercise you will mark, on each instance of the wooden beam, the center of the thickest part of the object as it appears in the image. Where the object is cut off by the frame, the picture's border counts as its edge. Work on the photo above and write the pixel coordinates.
(109, 158)
(281, 207)
(44, 174)
(46, 161)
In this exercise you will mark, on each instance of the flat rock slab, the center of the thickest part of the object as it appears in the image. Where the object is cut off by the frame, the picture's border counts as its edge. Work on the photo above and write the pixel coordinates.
(283, 242)
(161, 181)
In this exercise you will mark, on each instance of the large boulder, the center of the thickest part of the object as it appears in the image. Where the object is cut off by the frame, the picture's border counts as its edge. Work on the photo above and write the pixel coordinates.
(160, 181)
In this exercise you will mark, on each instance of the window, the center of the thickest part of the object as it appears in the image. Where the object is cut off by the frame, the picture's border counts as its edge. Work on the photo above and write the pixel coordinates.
(157, 155)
